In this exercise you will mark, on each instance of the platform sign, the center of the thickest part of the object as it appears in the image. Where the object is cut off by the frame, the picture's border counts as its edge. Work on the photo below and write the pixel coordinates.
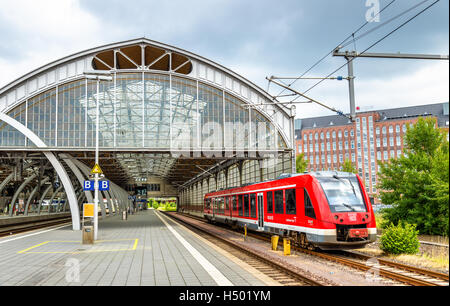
(103, 185)
(88, 210)
(90, 185)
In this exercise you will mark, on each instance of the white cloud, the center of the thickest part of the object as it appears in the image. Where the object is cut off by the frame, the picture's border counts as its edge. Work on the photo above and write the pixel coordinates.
(45, 30)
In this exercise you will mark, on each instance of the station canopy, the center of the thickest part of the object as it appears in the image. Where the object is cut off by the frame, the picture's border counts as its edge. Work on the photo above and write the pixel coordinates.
(163, 112)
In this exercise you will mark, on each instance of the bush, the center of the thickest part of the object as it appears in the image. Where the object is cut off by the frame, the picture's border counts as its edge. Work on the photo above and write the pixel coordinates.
(400, 239)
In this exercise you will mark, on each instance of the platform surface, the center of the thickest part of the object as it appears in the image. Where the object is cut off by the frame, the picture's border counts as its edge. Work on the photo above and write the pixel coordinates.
(147, 249)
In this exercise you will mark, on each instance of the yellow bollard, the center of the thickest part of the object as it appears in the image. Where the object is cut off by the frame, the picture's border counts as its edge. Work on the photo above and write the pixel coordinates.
(275, 242)
(245, 232)
(287, 246)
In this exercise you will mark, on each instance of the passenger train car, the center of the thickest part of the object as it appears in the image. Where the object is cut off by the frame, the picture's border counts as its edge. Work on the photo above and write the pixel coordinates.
(328, 210)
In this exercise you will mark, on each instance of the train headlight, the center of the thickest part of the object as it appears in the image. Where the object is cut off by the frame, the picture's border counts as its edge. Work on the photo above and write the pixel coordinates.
(336, 217)
(367, 216)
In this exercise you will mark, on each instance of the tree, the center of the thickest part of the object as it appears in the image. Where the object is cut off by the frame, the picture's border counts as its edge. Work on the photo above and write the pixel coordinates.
(300, 163)
(416, 184)
(347, 166)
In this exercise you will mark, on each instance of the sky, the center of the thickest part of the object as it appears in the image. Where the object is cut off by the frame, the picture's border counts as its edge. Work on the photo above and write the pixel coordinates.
(254, 38)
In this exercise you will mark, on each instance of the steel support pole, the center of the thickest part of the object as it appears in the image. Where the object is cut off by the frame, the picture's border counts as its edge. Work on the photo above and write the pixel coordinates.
(96, 162)
(351, 87)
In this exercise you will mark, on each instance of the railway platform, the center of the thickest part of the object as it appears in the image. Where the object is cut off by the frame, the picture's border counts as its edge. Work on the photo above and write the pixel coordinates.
(147, 249)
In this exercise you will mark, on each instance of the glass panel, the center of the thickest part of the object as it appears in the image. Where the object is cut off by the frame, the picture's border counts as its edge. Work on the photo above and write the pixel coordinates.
(343, 193)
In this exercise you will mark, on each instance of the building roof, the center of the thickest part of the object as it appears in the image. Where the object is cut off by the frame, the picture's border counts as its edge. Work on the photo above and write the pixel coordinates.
(439, 110)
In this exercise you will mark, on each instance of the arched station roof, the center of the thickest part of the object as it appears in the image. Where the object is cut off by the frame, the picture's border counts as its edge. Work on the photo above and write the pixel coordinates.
(158, 96)
(149, 58)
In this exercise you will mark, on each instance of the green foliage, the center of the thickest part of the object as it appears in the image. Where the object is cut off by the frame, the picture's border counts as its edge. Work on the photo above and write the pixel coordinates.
(347, 166)
(417, 184)
(300, 163)
(400, 239)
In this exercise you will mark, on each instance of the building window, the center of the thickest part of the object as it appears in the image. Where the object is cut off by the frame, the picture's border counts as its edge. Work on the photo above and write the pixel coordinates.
(321, 135)
(335, 158)
(353, 145)
(379, 155)
(300, 148)
(346, 145)
(404, 128)
(341, 159)
(392, 154)
(310, 136)
(377, 130)
(328, 135)
(305, 138)
(322, 147)
(353, 157)
(334, 145)
(317, 147)
(352, 133)
(378, 142)
(399, 141)
(385, 155)
(384, 141)
(346, 133)
(384, 130)
(391, 141)
(310, 148)
(340, 145)
(391, 129)
(328, 146)
(399, 153)
(340, 134)
(397, 128)
(316, 136)
(329, 159)
(334, 134)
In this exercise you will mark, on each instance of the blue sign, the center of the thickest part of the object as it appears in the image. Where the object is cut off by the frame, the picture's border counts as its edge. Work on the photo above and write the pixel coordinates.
(90, 185)
(103, 185)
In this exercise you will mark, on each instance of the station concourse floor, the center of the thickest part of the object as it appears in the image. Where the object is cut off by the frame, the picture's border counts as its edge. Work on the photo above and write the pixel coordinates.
(143, 250)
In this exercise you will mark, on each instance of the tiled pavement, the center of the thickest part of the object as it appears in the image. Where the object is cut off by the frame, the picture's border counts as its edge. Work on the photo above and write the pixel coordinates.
(139, 251)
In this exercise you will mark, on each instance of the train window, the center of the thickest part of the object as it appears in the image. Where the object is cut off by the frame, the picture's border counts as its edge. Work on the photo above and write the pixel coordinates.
(279, 209)
(245, 205)
(253, 205)
(291, 208)
(234, 203)
(227, 205)
(309, 208)
(344, 194)
(269, 202)
(208, 204)
(241, 205)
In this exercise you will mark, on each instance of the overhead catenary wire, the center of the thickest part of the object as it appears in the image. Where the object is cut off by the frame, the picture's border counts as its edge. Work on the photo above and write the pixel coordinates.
(372, 45)
(330, 52)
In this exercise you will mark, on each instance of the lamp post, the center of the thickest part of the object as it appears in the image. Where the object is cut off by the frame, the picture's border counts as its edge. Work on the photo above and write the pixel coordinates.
(98, 77)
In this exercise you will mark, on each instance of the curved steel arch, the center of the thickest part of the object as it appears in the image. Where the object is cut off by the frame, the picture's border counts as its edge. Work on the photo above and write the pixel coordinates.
(55, 163)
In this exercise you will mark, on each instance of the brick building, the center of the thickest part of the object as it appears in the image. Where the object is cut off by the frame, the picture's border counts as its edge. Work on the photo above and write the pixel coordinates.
(375, 135)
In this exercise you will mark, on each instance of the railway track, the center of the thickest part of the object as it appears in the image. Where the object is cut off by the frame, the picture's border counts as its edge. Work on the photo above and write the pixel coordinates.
(399, 272)
(29, 226)
(276, 271)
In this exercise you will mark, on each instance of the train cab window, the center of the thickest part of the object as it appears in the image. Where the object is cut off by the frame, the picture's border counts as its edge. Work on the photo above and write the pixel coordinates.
(291, 207)
(253, 205)
(208, 204)
(245, 205)
(269, 196)
(309, 208)
(241, 205)
(234, 203)
(279, 209)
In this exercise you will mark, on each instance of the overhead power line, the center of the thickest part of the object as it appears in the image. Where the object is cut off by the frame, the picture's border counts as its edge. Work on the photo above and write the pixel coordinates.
(372, 45)
(326, 55)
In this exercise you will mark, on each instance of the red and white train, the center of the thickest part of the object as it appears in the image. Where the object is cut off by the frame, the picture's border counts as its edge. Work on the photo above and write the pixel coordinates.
(328, 210)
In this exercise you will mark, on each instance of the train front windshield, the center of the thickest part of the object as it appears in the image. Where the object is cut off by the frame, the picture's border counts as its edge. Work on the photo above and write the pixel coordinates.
(343, 193)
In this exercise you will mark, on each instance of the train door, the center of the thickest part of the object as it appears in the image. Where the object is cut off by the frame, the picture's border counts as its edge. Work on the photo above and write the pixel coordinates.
(260, 211)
